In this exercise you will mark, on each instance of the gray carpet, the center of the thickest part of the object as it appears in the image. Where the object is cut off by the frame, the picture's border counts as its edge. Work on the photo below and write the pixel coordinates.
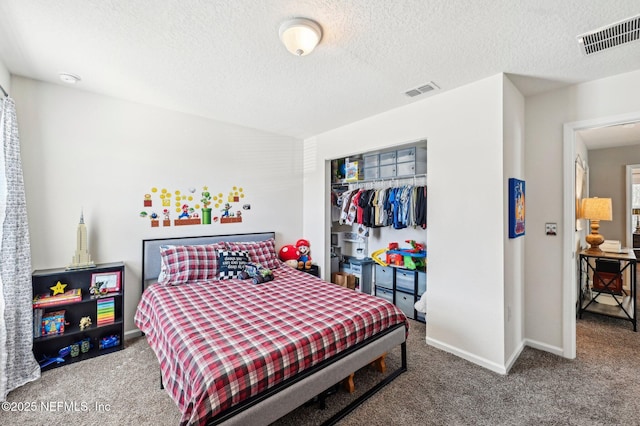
(600, 387)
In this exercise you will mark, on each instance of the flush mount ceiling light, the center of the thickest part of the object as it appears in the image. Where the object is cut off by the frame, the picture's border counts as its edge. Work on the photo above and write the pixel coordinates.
(69, 78)
(300, 36)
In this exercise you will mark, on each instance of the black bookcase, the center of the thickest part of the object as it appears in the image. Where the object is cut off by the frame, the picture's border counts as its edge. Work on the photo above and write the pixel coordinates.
(111, 335)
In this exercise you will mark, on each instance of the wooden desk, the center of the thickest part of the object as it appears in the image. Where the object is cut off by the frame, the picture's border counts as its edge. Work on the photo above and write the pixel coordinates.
(608, 284)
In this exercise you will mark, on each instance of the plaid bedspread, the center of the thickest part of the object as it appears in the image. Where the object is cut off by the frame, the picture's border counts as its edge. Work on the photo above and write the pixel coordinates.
(221, 342)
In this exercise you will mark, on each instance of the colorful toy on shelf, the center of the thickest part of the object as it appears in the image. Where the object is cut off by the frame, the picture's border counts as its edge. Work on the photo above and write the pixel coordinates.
(304, 261)
(375, 256)
(289, 254)
(109, 342)
(413, 258)
(85, 322)
(45, 361)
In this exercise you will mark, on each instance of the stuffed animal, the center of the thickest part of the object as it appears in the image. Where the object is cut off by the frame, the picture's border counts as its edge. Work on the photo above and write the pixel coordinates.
(289, 254)
(258, 273)
(304, 261)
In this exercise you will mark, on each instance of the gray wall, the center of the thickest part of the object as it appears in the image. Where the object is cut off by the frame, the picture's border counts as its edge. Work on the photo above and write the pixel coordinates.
(607, 177)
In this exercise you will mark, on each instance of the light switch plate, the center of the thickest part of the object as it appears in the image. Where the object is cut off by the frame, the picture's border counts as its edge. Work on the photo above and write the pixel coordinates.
(551, 228)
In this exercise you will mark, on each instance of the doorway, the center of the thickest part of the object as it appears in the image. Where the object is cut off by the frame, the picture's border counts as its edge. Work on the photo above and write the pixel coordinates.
(569, 279)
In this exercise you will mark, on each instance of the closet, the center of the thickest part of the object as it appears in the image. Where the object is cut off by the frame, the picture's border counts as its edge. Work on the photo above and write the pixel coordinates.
(378, 201)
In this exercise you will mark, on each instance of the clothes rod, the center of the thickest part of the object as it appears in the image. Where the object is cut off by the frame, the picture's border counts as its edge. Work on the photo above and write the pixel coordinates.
(6, 95)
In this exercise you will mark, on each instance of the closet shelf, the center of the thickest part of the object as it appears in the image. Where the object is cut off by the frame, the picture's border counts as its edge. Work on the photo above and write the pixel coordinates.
(412, 178)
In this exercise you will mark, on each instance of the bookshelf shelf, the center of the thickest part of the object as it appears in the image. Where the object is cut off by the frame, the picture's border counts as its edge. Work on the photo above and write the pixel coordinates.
(50, 345)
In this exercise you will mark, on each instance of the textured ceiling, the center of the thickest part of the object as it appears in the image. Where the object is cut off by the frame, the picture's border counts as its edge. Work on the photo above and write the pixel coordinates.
(223, 60)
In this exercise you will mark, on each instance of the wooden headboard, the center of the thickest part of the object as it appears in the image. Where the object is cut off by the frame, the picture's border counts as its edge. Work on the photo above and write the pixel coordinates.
(151, 249)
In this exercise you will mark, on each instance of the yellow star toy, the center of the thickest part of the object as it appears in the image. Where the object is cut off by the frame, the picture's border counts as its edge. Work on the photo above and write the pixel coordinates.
(58, 288)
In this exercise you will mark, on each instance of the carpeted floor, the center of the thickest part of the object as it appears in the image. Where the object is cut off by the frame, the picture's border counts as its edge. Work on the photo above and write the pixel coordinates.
(600, 387)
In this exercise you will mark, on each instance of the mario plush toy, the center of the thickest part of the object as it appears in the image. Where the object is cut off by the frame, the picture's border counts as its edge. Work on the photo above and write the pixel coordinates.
(289, 254)
(304, 261)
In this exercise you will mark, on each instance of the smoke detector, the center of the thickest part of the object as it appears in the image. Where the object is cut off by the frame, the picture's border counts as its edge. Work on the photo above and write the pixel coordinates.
(613, 35)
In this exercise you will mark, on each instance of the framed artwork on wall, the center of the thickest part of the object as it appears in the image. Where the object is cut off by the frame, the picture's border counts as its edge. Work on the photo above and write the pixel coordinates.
(516, 207)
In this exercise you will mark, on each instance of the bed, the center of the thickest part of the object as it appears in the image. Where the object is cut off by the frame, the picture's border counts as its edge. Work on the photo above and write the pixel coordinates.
(234, 352)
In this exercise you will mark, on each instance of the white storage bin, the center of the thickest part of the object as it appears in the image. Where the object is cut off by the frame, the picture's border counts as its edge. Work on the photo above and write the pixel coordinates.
(371, 173)
(405, 280)
(388, 171)
(387, 158)
(385, 293)
(384, 276)
(371, 160)
(422, 282)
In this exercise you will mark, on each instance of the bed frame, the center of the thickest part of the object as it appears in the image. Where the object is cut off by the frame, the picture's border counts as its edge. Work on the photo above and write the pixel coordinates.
(283, 398)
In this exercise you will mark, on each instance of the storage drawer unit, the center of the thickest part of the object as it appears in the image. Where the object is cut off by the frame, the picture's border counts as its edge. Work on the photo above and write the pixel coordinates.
(406, 280)
(385, 293)
(405, 302)
(384, 276)
(422, 283)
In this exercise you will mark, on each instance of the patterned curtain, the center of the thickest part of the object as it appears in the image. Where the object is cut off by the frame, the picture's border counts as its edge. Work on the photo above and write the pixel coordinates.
(17, 363)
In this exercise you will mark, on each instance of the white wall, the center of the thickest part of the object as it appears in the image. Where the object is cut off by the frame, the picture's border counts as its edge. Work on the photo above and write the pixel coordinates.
(101, 154)
(513, 128)
(545, 116)
(465, 209)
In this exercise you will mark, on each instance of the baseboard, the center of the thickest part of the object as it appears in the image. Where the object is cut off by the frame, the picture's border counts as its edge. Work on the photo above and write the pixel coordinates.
(482, 362)
(544, 347)
(132, 334)
(515, 355)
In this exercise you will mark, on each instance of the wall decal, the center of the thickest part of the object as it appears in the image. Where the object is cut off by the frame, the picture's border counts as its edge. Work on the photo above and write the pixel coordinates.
(188, 208)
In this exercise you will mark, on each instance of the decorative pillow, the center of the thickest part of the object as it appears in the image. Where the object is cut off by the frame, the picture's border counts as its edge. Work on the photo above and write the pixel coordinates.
(231, 263)
(182, 264)
(263, 252)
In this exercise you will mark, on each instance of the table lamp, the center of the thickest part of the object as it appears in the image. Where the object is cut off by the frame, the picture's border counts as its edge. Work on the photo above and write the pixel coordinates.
(596, 209)
(636, 213)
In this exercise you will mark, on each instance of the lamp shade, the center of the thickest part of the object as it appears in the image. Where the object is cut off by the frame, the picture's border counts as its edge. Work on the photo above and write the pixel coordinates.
(300, 36)
(596, 208)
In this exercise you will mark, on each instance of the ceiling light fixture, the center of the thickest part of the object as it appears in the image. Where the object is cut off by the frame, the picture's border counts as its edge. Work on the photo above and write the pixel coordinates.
(300, 36)
(69, 78)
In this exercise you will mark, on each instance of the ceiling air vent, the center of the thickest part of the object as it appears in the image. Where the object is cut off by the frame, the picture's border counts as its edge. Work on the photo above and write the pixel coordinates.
(610, 36)
(425, 88)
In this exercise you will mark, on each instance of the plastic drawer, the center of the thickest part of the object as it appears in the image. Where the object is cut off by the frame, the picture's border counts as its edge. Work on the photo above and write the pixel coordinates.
(385, 294)
(405, 280)
(384, 276)
(421, 317)
(387, 158)
(408, 154)
(405, 302)
(422, 282)
(388, 171)
(371, 173)
(371, 160)
(406, 169)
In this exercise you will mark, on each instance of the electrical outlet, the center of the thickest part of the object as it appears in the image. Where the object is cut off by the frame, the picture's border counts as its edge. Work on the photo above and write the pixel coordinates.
(551, 228)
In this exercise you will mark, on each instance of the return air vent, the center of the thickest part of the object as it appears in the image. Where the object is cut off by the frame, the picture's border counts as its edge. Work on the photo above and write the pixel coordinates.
(425, 88)
(610, 36)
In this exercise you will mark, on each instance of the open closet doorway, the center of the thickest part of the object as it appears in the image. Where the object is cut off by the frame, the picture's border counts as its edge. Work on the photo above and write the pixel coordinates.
(574, 141)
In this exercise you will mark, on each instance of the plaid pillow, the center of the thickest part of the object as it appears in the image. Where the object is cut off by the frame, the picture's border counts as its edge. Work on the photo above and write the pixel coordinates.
(182, 264)
(263, 252)
(231, 263)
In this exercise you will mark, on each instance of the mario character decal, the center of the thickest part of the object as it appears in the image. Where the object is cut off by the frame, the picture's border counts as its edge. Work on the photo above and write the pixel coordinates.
(304, 260)
(289, 254)
(188, 206)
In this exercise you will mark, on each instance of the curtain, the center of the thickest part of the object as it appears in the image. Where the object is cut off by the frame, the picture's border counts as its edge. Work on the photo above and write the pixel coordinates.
(17, 363)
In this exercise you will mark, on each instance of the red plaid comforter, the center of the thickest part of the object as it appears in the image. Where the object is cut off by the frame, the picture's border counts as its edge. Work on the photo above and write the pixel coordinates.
(221, 342)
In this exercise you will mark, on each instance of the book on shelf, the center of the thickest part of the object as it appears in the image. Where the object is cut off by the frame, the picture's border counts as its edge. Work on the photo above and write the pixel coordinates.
(53, 323)
(106, 311)
(46, 300)
(37, 322)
